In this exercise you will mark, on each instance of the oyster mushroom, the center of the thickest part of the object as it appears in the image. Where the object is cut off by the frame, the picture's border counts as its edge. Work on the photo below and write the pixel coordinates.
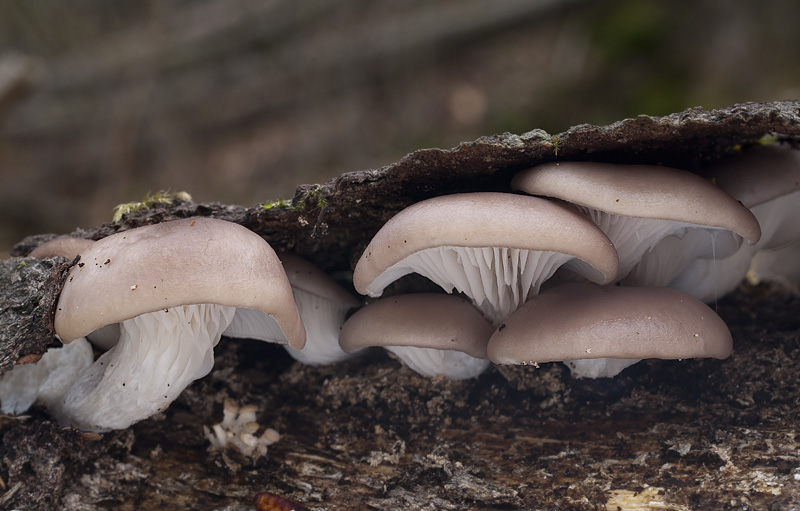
(104, 338)
(659, 218)
(580, 321)
(173, 287)
(61, 247)
(780, 265)
(766, 180)
(323, 305)
(434, 334)
(497, 248)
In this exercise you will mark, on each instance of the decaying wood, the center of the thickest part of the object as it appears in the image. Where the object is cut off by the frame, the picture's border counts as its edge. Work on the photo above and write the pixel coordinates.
(331, 223)
(369, 434)
(30, 288)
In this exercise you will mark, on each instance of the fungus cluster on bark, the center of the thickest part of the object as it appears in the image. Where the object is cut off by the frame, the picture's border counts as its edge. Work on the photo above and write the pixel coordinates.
(526, 261)
(594, 265)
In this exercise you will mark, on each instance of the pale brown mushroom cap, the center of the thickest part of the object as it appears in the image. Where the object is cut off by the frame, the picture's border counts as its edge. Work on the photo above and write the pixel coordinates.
(640, 191)
(583, 320)
(182, 262)
(61, 247)
(438, 321)
(309, 278)
(486, 219)
(759, 175)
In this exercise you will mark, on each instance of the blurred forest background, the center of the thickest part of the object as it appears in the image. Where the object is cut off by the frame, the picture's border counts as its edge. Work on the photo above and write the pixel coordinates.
(238, 101)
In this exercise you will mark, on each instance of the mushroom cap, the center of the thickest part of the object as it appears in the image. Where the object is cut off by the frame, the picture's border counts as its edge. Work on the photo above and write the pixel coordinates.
(640, 191)
(323, 305)
(308, 278)
(181, 262)
(438, 321)
(485, 219)
(61, 247)
(582, 320)
(760, 175)
(780, 265)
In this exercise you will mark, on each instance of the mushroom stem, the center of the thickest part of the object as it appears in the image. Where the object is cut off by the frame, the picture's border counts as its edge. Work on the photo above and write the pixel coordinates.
(143, 374)
(322, 319)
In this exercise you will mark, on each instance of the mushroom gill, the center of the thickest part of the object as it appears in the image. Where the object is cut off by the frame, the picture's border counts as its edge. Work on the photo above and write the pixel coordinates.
(659, 218)
(496, 248)
(323, 306)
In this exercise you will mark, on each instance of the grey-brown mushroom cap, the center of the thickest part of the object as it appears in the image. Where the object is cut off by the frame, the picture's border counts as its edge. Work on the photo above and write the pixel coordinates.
(182, 262)
(68, 247)
(583, 320)
(760, 175)
(486, 219)
(307, 277)
(640, 191)
(438, 321)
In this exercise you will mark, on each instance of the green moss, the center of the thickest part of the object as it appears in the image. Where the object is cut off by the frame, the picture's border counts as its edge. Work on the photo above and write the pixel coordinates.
(768, 139)
(765, 140)
(555, 141)
(161, 197)
(313, 198)
(276, 204)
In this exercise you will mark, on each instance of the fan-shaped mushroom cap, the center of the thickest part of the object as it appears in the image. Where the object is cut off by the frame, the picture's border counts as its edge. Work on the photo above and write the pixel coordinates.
(445, 334)
(182, 262)
(106, 337)
(586, 321)
(61, 247)
(173, 287)
(497, 248)
(306, 277)
(666, 201)
(767, 180)
(759, 175)
(323, 306)
(778, 265)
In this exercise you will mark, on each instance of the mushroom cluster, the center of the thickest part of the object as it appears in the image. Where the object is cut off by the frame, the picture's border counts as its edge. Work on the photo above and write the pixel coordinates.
(170, 290)
(595, 265)
(766, 180)
(239, 430)
(591, 267)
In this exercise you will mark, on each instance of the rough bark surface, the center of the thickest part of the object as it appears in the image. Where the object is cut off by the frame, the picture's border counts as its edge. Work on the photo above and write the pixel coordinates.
(30, 289)
(369, 434)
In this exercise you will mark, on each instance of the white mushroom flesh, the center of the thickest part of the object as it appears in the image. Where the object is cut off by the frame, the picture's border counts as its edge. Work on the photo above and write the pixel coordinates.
(46, 380)
(431, 362)
(159, 354)
(635, 238)
(321, 317)
(599, 367)
(496, 289)
(711, 278)
(780, 265)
